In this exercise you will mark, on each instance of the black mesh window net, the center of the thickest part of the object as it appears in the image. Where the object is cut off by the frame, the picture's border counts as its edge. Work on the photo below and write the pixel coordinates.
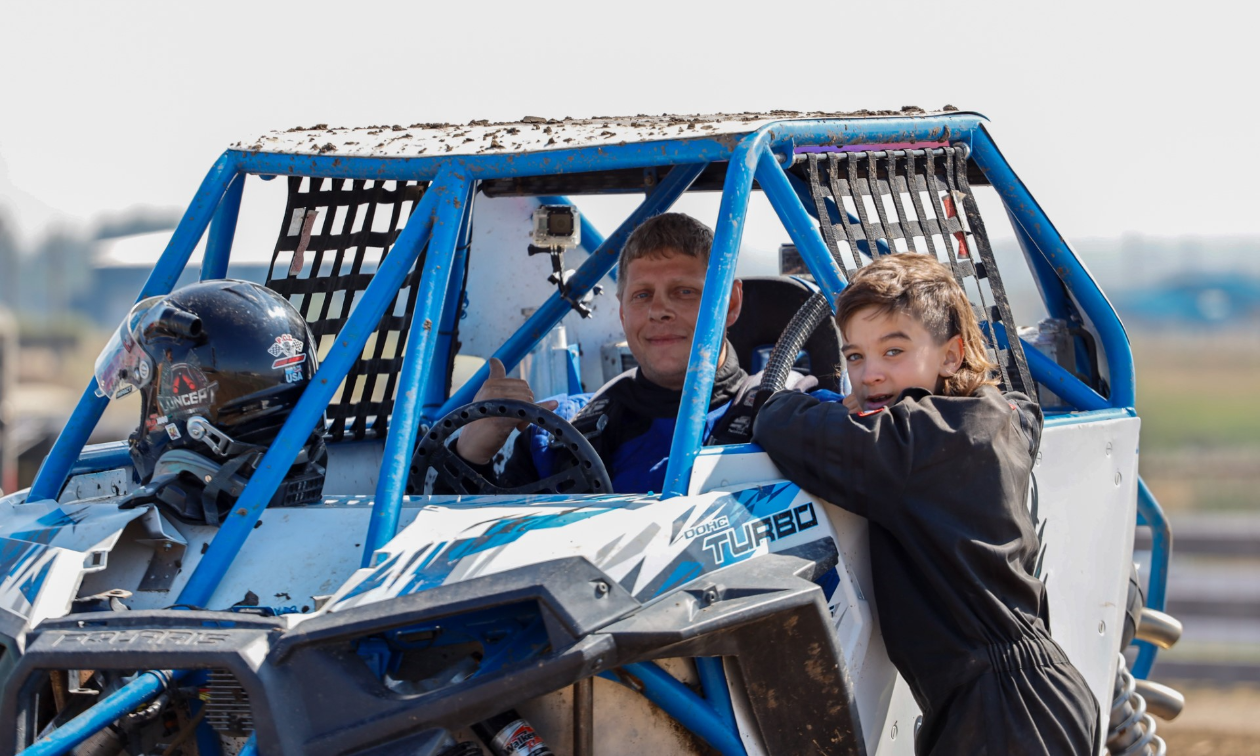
(334, 235)
(873, 203)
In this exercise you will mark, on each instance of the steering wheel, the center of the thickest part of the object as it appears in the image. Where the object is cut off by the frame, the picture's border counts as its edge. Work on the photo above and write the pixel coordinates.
(588, 475)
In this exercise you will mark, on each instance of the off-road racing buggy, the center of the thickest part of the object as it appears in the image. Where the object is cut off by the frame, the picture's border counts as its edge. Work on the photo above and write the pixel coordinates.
(730, 612)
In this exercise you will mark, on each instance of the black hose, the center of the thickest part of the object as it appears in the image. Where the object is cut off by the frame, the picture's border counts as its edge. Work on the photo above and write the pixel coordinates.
(803, 324)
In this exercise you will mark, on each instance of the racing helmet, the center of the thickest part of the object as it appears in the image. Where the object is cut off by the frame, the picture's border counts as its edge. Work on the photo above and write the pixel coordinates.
(219, 365)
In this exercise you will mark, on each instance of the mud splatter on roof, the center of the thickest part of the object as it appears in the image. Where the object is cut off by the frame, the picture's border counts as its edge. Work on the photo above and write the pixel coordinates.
(529, 134)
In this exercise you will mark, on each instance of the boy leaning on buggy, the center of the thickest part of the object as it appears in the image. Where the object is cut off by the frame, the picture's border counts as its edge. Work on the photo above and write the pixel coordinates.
(938, 460)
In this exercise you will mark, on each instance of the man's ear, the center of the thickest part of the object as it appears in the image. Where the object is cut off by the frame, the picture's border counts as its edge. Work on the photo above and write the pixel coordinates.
(951, 361)
(737, 303)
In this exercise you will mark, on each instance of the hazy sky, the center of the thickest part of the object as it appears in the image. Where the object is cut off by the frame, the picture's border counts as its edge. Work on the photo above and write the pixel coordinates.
(1132, 119)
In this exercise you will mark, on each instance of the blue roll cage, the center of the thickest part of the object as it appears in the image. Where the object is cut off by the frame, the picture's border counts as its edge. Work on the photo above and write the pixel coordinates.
(442, 220)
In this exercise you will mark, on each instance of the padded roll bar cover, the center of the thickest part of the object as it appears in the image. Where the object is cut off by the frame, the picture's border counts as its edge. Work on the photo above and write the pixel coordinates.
(769, 304)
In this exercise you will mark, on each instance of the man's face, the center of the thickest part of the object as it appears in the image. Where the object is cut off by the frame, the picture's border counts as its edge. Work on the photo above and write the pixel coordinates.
(888, 353)
(660, 303)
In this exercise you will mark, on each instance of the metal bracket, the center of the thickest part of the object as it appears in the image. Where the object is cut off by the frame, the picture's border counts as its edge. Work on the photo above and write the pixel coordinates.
(97, 485)
(168, 553)
(200, 429)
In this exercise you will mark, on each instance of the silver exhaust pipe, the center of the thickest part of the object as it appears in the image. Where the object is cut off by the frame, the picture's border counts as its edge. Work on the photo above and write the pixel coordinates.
(1158, 628)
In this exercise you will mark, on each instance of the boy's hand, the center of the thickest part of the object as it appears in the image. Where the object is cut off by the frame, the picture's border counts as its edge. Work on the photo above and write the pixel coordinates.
(852, 402)
(478, 441)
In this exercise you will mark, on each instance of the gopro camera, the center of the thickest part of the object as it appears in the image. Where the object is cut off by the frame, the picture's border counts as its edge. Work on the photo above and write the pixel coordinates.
(557, 226)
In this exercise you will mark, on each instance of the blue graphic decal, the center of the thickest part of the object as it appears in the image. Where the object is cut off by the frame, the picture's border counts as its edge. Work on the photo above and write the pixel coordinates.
(421, 580)
(30, 587)
(683, 572)
(767, 499)
(375, 580)
(15, 555)
(54, 522)
(438, 566)
(506, 531)
(739, 523)
(829, 583)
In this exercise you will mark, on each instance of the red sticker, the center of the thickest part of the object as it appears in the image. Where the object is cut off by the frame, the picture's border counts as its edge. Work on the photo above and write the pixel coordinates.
(288, 361)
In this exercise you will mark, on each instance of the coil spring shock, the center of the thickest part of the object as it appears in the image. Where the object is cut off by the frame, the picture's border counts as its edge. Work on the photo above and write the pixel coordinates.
(1132, 730)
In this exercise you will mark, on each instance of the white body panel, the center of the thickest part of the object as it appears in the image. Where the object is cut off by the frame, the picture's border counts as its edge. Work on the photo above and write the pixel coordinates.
(1084, 508)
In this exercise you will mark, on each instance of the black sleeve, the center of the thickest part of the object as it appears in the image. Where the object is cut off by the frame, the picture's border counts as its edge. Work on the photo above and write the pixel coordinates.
(851, 460)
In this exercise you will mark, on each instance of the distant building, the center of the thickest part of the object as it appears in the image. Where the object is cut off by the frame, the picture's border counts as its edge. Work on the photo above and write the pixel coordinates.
(1200, 301)
(123, 264)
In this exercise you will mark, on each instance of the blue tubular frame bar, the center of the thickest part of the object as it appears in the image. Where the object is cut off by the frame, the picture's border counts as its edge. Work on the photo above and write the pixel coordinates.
(222, 230)
(69, 445)
(690, 710)
(713, 683)
(354, 334)
(61, 740)
(706, 344)
(434, 388)
(800, 226)
(595, 268)
(1058, 304)
(1152, 515)
(449, 215)
(1029, 217)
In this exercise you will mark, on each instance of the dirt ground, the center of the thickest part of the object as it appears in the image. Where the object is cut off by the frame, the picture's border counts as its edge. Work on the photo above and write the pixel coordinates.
(1220, 721)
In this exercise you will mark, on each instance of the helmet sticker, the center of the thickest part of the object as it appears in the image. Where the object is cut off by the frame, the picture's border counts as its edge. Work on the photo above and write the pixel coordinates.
(293, 374)
(288, 352)
(172, 430)
(185, 390)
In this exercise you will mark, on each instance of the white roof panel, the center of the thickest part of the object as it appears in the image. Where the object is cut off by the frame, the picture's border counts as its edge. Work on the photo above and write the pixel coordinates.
(530, 134)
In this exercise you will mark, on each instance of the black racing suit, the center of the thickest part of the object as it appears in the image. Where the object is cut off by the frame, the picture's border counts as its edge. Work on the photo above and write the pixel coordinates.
(944, 482)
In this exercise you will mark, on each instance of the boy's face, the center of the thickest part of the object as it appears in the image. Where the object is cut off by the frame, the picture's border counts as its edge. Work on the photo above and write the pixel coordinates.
(888, 353)
(660, 303)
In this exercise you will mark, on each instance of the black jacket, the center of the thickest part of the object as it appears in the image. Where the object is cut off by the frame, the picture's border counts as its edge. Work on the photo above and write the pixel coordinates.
(944, 483)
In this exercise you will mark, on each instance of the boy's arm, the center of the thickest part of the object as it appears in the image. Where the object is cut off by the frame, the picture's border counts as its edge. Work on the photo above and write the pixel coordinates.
(846, 458)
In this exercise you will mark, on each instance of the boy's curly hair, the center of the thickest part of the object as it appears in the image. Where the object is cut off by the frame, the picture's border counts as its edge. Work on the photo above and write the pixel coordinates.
(924, 289)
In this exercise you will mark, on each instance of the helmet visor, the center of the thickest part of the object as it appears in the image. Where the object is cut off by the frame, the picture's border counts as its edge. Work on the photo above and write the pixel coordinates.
(123, 365)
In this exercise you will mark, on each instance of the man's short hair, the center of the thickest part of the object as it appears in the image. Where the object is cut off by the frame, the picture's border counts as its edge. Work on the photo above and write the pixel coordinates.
(922, 288)
(672, 233)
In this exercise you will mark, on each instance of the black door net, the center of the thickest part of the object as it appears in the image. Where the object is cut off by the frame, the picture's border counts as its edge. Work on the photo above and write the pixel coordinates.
(333, 238)
(874, 203)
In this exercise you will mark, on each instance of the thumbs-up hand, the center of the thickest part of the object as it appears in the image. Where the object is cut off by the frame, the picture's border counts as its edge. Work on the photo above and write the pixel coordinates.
(479, 441)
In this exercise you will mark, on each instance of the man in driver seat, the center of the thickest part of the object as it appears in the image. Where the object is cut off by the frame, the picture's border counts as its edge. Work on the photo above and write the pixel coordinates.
(630, 421)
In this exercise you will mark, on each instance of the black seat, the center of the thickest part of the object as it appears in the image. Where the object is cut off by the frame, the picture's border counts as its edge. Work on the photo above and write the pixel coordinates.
(769, 304)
